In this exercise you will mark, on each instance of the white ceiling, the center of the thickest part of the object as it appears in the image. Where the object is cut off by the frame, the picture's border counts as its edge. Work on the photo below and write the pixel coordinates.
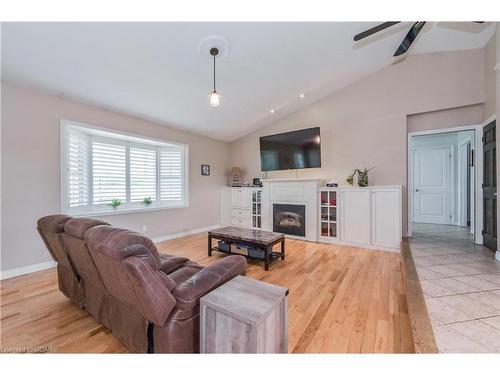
(155, 70)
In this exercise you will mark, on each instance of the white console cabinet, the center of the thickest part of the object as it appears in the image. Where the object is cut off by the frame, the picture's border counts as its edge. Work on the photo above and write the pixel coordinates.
(367, 217)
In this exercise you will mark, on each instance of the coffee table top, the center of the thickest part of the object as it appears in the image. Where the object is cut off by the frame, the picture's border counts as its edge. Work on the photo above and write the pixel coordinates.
(257, 236)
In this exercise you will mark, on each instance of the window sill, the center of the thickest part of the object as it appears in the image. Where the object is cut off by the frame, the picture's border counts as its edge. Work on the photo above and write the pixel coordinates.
(111, 212)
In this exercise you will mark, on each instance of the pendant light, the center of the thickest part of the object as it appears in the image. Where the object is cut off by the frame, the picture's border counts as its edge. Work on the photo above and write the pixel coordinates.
(214, 96)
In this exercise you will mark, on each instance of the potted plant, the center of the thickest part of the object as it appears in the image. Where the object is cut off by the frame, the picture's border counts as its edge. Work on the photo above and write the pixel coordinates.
(362, 177)
(148, 201)
(115, 203)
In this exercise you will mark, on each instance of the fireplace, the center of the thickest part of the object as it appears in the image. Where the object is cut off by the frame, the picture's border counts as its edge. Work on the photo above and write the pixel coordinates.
(289, 219)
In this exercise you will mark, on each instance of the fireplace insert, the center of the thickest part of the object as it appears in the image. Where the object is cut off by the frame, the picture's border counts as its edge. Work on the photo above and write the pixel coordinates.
(289, 219)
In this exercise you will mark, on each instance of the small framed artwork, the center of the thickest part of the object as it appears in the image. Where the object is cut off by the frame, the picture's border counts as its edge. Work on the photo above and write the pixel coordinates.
(205, 170)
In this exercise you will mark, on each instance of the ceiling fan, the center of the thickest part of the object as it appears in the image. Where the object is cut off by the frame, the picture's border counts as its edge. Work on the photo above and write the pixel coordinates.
(407, 41)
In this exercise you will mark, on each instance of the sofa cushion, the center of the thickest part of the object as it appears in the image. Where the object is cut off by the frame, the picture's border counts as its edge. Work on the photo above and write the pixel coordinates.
(184, 273)
(153, 299)
(78, 226)
(116, 242)
(50, 227)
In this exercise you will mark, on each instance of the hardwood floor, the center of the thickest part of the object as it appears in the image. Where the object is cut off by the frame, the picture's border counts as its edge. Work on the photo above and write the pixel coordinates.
(342, 300)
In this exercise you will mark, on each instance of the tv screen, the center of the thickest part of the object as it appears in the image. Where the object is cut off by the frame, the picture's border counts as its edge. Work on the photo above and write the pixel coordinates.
(293, 150)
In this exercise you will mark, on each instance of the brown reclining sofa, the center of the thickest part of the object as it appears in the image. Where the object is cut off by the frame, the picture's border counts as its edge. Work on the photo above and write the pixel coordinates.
(150, 301)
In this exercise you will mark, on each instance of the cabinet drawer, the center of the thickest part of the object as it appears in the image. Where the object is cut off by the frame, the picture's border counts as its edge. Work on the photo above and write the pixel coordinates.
(240, 221)
(240, 212)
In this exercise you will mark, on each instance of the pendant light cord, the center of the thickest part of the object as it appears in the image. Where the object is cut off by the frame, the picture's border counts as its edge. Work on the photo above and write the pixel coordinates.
(214, 74)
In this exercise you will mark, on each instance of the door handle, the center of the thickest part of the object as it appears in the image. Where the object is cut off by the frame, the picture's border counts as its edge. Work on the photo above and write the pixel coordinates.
(417, 190)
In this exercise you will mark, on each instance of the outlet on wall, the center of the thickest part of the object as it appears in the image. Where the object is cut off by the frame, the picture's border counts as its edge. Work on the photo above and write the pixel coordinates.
(144, 228)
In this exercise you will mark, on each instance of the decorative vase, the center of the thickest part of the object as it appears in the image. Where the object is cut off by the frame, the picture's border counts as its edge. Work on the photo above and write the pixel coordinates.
(363, 178)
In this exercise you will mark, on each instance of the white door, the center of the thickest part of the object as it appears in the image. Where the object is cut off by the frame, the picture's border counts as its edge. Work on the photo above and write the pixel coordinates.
(355, 223)
(431, 185)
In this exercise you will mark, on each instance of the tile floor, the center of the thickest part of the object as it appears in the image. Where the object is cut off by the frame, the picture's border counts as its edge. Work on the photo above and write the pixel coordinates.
(461, 284)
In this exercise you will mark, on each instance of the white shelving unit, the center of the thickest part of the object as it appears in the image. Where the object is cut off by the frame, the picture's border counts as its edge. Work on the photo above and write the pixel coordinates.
(328, 214)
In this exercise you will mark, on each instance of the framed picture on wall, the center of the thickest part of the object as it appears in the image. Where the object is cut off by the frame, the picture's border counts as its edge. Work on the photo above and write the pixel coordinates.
(205, 170)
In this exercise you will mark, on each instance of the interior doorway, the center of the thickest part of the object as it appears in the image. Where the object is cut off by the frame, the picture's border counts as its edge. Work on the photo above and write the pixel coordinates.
(444, 180)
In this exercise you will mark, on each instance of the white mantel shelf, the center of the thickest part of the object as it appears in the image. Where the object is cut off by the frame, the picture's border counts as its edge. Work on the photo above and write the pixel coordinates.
(291, 180)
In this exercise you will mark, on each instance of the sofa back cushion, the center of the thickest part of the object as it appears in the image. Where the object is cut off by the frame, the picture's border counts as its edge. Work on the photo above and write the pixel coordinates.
(108, 247)
(150, 287)
(50, 227)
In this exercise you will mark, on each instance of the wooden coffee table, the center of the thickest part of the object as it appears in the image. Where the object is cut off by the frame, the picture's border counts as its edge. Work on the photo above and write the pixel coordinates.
(259, 239)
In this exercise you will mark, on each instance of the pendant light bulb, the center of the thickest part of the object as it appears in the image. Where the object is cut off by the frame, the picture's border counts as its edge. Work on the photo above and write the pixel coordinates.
(214, 99)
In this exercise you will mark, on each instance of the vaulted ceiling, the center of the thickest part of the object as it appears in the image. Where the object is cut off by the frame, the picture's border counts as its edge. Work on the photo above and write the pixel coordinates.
(156, 70)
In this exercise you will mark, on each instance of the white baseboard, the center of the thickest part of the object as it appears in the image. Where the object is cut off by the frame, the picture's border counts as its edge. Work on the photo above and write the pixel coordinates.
(184, 234)
(26, 269)
(49, 264)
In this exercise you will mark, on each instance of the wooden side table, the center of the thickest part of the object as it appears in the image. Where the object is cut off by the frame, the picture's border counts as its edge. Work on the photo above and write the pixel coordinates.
(244, 316)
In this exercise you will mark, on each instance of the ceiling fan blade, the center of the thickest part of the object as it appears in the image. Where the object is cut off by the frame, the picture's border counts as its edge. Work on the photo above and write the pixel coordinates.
(374, 30)
(409, 38)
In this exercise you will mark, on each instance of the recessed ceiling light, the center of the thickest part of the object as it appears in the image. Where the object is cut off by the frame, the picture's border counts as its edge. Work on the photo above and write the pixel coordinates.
(301, 96)
(272, 111)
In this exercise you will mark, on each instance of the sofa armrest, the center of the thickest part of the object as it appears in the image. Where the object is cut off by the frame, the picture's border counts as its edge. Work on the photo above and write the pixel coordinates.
(189, 292)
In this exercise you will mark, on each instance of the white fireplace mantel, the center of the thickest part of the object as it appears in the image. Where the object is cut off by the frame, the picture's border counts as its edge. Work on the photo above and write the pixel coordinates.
(269, 180)
(301, 191)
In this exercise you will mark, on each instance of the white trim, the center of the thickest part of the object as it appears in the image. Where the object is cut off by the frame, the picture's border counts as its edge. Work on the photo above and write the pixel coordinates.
(462, 168)
(50, 264)
(478, 175)
(489, 119)
(26, 269)
(184, 234)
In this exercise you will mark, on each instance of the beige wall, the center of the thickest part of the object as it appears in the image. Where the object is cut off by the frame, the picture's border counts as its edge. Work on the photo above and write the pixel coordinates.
(446, 118)
(30, 172)
(489, 107)
(365, 123)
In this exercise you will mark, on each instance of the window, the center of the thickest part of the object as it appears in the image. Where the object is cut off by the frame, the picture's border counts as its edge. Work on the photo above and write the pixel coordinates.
(99, 167)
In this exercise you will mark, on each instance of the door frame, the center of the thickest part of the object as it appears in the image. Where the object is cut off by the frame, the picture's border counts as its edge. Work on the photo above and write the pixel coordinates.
(462, 185)
(478, 175)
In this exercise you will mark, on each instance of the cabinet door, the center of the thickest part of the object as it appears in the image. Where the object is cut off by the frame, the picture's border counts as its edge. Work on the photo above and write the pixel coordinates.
(225, 207)
(355, 221)
(240, 198)
(386, 218)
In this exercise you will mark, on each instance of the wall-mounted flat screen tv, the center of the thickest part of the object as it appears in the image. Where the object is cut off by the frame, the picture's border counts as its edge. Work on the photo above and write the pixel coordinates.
(293, 150)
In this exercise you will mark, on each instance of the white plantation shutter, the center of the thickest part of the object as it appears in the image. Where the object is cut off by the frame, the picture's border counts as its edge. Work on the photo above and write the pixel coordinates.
(171, 174)
(142, 173)
(98, 166)
(109, 172)
(77, 168)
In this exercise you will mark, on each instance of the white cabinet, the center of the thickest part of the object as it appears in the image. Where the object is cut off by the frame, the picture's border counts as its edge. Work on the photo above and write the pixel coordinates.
(386, 217)
(241, 207)
(225, 207)
(355, 222)
(371, 217)
(240, 197)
